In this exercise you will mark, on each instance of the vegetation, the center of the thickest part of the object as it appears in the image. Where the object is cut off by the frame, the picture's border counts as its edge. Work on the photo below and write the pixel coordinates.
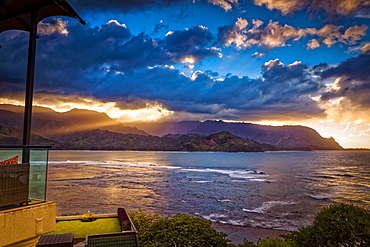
(334, 226)
(106, 140)
(179, 230)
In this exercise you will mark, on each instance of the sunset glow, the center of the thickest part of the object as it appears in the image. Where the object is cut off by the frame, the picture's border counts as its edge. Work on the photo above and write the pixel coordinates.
(265, 62)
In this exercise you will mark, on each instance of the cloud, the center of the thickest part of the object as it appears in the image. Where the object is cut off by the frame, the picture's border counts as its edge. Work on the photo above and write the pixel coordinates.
(117, 5)
(354, 34)
(102, 52)
(365, 48)
(275, 35)
(53, 26)
(285, 6)
(330, 34)
(270, 36)
(160, 26)
(193, 42)
(258, 54)
(313, 44)
(352, 81)
(343, 7)
(225, 4)
(282, 90)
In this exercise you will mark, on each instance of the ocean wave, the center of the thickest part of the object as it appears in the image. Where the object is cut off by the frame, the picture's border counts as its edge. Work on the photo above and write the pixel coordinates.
(267, 205)
(112, 163)
(254, 175)
(278, 224)
(245, 174)
(224, 200)
(323, 196)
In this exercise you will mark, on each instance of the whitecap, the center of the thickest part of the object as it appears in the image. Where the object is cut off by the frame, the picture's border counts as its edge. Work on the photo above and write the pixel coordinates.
(224, 200)
(266, 206)
(323, 196)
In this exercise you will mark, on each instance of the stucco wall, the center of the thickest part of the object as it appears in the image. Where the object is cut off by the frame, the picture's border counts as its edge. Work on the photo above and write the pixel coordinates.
(26, 223)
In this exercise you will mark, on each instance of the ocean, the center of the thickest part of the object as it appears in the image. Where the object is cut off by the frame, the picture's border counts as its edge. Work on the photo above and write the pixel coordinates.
(277, 190)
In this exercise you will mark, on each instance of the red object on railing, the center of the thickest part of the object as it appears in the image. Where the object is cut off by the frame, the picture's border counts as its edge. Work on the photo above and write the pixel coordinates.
(10, 161)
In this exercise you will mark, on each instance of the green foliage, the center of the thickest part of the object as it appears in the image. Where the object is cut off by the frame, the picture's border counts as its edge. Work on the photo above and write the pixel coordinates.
(336, 225)
(245, 243)
(142, 220)
(272, 242)
(179, 230)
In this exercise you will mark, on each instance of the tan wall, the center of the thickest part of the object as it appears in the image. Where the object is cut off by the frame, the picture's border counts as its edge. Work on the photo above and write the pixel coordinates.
(26, 224)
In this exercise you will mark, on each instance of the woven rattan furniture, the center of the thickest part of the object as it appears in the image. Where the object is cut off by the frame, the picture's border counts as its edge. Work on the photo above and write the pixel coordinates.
(120, 239)
(14, 184)
(59, 240)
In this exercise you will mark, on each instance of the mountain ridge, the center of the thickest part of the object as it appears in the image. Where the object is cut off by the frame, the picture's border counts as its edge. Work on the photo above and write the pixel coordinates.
(51, 124)
(70, 121)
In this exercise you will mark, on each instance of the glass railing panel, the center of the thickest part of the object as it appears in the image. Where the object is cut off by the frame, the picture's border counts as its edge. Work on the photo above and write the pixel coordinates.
(38, 174)
(29, 177)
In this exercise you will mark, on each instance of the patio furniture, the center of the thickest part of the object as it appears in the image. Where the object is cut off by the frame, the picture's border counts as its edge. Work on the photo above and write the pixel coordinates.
(120, 239)
(14, 184)
(59, 240)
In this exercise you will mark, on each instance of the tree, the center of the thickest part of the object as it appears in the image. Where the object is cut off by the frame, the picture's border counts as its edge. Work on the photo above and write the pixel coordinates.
(178, 230)
(336, 225)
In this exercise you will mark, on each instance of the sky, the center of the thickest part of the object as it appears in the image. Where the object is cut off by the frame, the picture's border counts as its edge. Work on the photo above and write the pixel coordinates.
(272, 62)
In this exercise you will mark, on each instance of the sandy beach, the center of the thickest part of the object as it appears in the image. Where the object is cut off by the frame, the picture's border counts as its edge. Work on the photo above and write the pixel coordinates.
(237, 234)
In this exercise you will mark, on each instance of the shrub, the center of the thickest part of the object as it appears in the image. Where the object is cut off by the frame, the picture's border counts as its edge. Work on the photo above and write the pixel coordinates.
(179, 230)
(272, 242)
(336, 225)
(88, 217)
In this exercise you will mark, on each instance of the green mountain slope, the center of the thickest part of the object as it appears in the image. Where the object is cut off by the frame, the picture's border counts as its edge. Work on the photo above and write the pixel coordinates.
(12, 136)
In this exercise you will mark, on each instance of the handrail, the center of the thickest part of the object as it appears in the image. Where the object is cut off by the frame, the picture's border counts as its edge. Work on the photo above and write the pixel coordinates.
(24, 146)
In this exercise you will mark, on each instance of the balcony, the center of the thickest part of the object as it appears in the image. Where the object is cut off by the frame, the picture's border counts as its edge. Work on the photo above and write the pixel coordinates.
(24, 212)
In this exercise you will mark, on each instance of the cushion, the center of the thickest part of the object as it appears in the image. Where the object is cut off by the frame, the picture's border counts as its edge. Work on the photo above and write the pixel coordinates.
(13, 160)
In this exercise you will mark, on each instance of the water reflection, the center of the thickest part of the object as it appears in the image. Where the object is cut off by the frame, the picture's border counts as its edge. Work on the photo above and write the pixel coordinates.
(275, 190)
(101, 188)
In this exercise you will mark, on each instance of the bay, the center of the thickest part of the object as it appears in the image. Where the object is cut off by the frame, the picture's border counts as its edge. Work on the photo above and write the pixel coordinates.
(277, 190)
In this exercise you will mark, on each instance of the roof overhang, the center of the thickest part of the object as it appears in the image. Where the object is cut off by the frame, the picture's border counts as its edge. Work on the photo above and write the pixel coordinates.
(16, 14)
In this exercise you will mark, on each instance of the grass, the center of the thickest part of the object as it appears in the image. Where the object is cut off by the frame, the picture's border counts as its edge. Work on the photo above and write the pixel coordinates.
(81, 229)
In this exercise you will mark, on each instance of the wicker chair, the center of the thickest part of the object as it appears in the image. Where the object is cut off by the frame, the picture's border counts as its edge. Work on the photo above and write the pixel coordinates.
(14, 184)
(120, 239)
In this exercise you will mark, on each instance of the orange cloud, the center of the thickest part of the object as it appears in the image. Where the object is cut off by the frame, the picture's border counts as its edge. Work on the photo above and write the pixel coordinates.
(225, 4)
(275, 35)
(344, 7)
(365, 48)
(56, 26)
(313, 44)
(285, 6)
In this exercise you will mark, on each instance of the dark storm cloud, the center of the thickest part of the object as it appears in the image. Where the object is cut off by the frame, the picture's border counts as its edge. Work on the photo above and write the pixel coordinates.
(121, 5)
(231, 98)
(110, 64)
(194, 42)
(353, 80)
(160, 26)
(77, 58)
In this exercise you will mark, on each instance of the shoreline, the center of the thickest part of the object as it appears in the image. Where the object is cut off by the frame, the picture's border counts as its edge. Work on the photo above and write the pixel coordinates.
(237, 234)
